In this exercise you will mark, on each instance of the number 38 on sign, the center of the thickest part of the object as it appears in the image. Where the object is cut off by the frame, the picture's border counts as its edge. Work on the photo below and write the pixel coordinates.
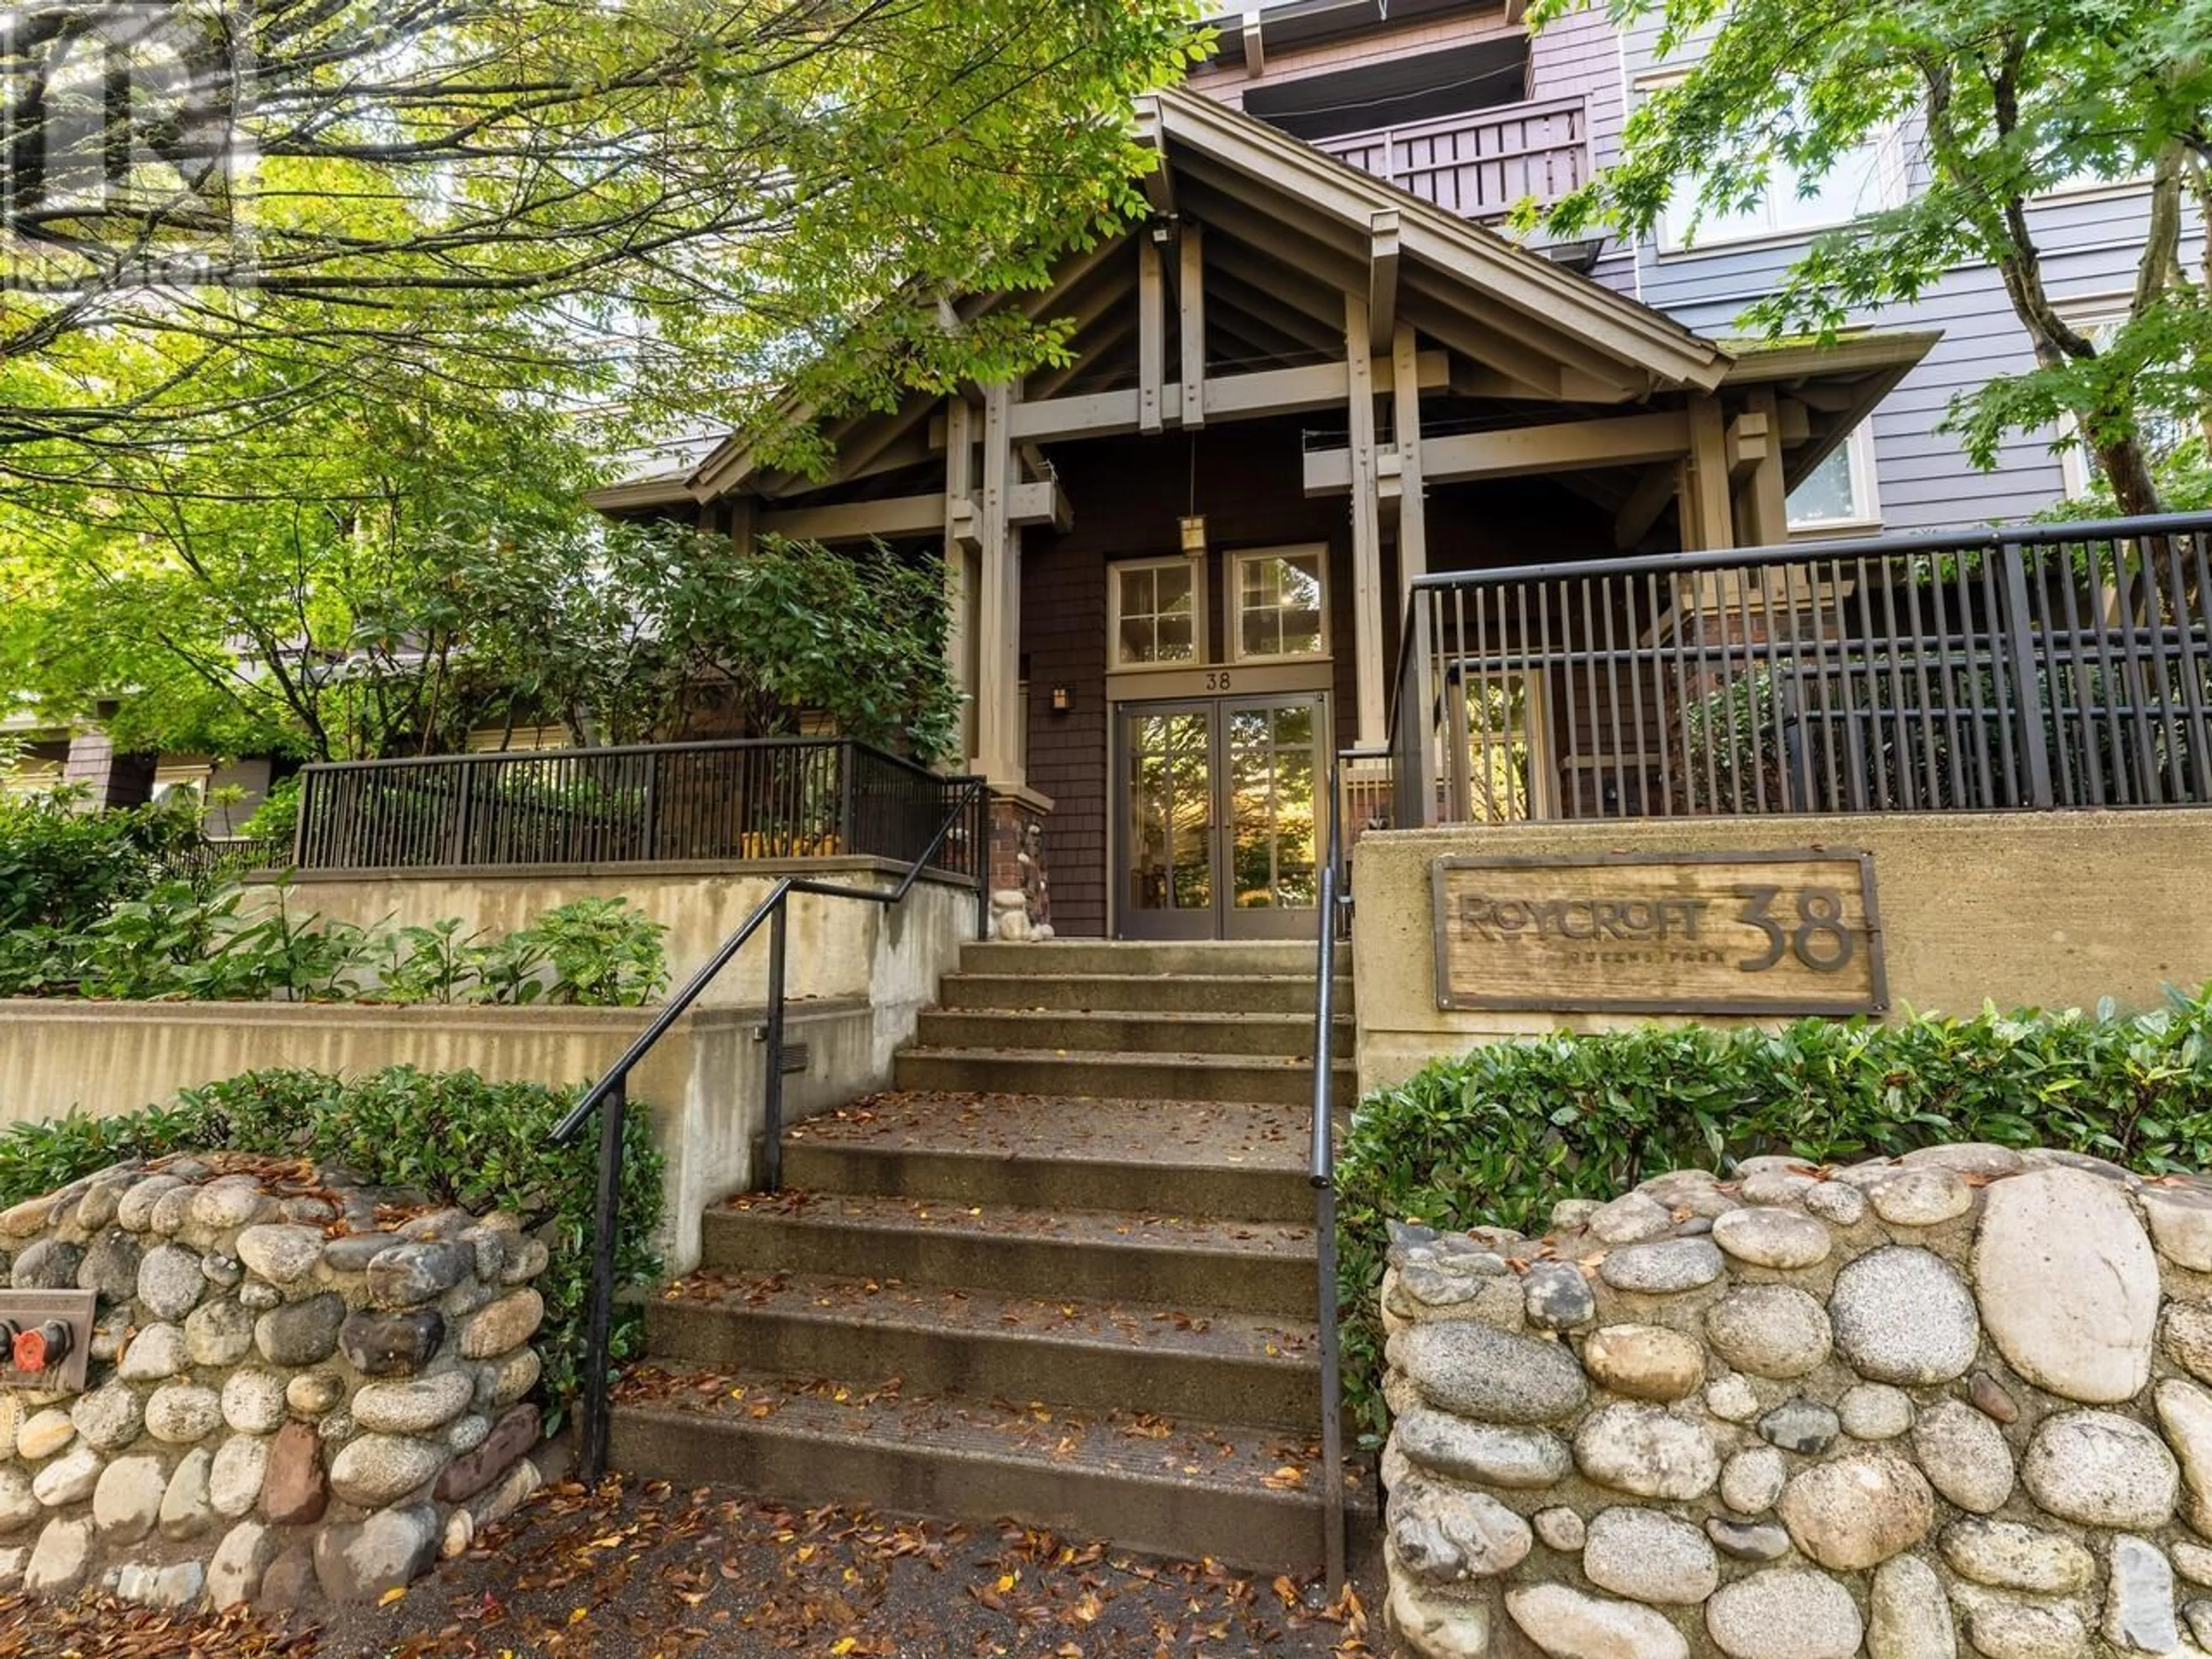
(1784, 932)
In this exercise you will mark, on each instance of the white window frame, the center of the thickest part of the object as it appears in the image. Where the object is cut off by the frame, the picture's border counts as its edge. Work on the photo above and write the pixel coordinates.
(1891, 187)
(1233, 615)
(2085, 315)
(1866, 491)
(1115, 571)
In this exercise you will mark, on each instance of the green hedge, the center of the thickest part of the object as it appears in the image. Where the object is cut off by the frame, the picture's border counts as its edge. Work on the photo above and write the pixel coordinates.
(462, 1140)
(1501, 1134)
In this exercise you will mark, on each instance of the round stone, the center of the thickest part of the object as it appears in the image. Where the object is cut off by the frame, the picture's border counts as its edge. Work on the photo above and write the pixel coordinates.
(2068, 1284)
(1781, 1239)
(44, 1433)
(1630, 1220)
(1770, 1330)
(1566, 1624)
(1857, 1510)
(1777, 1186)
(220, 1206)
(2180, 1224)
(1785, 1613)
(178, 1414)
(253, 1401)
(467, 1433)
(1493, 1376)
(1747, 1540)
(186, 1506)
(302, 1334)
(2187, 1338)
(1486, 1454)
(134, 1213)
(170, 1282)
(1874, 1411)
(1836, 1202)
(1902, 1316)
(109, 1417)
(1907, 1616)
(421, 1404)
(1645, 1362)
(219, 1332)
(69, 1479)
(2184, 1412)
(507, 1324)
(1642, 1449)
(2013, 1629)
(311, 1395)
(241, 1463)
(2101, 1469)
(157, 1353)
(2139, 1603)
(2008, 1555)
(407, 1274)
(376, 1469)
(1649, 1556)
(1920, 1197)
(127, 1500)
(1731, 1398)
(1964, 1456)
(1752, 1480)
(110, 1268)
(1801, 1425)
(1971, 1158)
(281, 1254)
(51, 1264)
(1561, 1529)
(1443, 1534)
(1556, 1297)
(1670, 1266)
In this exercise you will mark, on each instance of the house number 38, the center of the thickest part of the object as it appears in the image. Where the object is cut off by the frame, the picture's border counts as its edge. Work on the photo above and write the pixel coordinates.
(1819, 940)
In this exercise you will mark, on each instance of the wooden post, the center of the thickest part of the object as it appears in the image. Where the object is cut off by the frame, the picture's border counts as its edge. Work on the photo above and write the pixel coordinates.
(1191, 326)
(959, 560)
(1369, 667)
(1406, 419)
(1762, 507)
(1708, 524)
(1151, 332)
(998, 608)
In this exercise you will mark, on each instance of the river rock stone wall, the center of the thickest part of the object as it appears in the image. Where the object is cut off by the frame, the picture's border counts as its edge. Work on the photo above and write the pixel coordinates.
(300, 1389)
(1953, 1405)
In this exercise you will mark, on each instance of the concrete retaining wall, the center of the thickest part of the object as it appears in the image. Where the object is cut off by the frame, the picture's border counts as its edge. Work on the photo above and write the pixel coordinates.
(2056, 910)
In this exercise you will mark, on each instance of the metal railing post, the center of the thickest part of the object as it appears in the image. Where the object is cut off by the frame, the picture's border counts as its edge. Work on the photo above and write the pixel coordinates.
(772, 1103)
(599, 1326)
(1321, 1171)
(2020, 628)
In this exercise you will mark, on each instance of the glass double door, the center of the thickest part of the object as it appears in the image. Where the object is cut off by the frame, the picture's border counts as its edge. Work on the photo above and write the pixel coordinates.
(1219, 807)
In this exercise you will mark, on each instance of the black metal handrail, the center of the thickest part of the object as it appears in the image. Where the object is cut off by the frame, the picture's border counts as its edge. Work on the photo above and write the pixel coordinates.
(609, 1095)
(1320, 1170)
(740, 798)
(2031, 668)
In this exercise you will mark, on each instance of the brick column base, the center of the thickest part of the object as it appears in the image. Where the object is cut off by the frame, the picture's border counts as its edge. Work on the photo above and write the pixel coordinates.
(1021, 895)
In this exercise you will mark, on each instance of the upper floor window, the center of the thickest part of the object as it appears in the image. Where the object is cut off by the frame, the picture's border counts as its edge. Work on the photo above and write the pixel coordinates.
(2163, 434)
(1280, 612)
(1155, 613)
(1839, 494)
(1863, 179)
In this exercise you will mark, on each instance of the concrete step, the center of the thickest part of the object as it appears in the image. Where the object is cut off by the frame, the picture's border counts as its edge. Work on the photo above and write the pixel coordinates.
(1097, 1356)
(1225, 1159)
(1181, 993)
(1274, 1035)
(1162, 1076)
(1168, 1261)
(1289, 958)
(1243, 1495)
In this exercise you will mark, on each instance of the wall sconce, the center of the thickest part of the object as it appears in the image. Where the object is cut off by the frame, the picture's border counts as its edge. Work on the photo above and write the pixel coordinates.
(1194, 535)
(1063, 699)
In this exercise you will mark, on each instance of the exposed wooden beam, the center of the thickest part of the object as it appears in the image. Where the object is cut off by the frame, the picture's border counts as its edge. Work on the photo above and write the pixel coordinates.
(856, 459)
(1645, 504)
(853, 521)
(1382, 278)
(1090, 352)
(1041, 502)
(1749, 443)
(1190, 322)
(1152, 335)
(1228, 396)
(1517, 369)
(999, 600)
(1406, 425)
(1519, 452)
(1324, 249)
(1796, 421)
(961, 529)
(1553, 342)
(1366, 527)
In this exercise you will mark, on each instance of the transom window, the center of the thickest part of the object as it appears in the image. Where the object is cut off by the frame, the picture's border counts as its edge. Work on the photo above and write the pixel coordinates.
(1156, 610)
(1279, 609)
(1839, 492)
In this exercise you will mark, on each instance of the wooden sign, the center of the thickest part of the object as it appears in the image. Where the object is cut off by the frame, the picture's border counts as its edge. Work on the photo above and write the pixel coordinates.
(1790, 933)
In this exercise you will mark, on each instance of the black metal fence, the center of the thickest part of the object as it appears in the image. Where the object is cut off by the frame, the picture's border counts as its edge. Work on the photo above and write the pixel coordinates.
(766, 799)
(2062, 666)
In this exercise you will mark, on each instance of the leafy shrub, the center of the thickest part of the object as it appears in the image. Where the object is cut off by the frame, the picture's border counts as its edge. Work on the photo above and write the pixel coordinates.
(63, 868)
(461, 1140)
(1498, 1135)
(603, 954)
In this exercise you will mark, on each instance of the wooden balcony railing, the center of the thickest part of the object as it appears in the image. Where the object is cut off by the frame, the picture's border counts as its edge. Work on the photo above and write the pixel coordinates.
(1479, 164)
